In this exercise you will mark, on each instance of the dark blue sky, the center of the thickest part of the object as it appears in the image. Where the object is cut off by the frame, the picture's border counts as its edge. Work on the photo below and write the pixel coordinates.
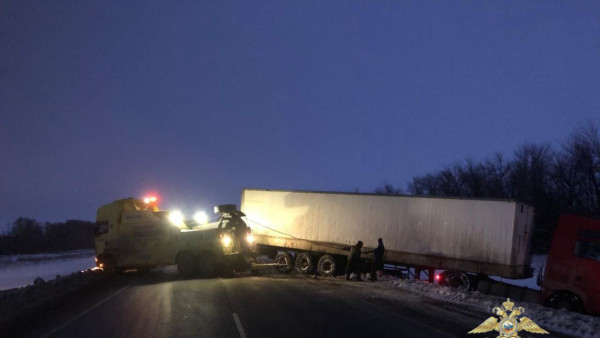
(101, 100)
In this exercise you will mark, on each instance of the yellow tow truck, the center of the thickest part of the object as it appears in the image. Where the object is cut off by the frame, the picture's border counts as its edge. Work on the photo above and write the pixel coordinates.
(135, 234)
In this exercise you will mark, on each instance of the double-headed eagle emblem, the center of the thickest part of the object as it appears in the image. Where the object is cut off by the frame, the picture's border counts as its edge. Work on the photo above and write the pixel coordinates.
(509, 324)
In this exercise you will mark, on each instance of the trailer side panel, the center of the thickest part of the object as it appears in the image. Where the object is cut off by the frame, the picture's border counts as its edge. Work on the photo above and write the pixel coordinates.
(481, 236)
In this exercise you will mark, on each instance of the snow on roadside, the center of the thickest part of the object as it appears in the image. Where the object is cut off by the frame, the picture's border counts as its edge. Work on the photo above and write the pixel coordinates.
(561, 321)
(21, 270)
(537, 264)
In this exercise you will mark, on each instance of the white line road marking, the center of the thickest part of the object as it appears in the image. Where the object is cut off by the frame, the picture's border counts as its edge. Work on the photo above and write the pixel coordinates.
(239, 325)
(88, 310)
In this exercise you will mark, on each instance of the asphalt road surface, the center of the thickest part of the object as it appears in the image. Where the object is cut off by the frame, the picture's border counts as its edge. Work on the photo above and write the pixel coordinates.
(161, 304)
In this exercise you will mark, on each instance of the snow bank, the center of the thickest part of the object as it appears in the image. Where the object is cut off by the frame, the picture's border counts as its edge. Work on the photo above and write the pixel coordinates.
(551, 320)
(537, 264)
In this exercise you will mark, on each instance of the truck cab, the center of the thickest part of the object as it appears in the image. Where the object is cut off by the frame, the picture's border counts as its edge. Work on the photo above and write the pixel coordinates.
(134, 234)
(573, 266)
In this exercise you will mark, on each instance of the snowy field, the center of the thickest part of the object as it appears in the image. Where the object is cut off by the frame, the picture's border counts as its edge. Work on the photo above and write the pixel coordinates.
(21, 270)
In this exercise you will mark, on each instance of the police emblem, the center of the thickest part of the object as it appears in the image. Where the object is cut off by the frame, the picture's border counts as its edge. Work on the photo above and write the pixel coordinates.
(509, 324)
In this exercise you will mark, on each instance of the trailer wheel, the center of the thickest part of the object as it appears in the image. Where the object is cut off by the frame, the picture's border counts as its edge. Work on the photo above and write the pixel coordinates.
(304, 263)
(326, 266)
(207, 264)
(455, 279)
(285, 261)
(565, 300)
(186, 264)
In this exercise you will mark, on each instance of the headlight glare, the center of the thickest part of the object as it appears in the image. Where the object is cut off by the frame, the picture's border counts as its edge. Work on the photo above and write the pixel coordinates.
(176, 218)
(226, 240)
(201, 217)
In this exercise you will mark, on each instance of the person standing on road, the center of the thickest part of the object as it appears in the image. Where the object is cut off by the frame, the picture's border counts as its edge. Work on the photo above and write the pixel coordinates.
(377, 265)
(354, 260)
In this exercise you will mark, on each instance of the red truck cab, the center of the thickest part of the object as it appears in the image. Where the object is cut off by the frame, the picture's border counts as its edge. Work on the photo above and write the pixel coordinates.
(572, 274)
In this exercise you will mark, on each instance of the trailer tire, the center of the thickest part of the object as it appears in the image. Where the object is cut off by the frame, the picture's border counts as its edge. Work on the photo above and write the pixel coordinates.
(455, 279)
(286, 262)
(186, 264)
(304, 263)
(565, 300)
(207, 264)
(327, 266)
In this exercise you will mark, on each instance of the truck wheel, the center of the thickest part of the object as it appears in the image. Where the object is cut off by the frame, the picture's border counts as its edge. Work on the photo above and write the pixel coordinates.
(186, 264)
(565, 300)
(110, 265)
(207, 264)
(326, 266)
(285, 261)
(304, 263)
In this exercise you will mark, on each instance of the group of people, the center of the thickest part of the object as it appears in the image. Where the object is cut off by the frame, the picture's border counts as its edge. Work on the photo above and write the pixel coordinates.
(355, 263)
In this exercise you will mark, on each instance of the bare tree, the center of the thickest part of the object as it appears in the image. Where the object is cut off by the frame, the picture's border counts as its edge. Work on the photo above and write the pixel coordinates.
(564, 184)
(530, 173)
(388, 189)
(497, 172)
(473, 178)
(583, 150)
(449, 181)
(427, 185)
(27, 235)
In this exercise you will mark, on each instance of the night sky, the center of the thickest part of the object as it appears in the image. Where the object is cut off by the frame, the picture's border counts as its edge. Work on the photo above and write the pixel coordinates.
(193, 100)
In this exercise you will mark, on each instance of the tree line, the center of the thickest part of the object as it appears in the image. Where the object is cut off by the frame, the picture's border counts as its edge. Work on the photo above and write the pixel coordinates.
(565, 180)
(30, 236)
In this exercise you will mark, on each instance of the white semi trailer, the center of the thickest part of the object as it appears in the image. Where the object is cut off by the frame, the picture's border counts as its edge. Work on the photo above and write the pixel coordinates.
(311, 230)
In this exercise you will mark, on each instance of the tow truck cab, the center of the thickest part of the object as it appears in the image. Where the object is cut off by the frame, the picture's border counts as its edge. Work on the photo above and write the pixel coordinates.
(134, 233)
(572, 273)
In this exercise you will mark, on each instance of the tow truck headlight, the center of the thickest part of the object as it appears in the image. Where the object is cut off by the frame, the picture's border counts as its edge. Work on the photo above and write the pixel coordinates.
(226, 240)
(250, 238)
(176, 218)
(201, 217)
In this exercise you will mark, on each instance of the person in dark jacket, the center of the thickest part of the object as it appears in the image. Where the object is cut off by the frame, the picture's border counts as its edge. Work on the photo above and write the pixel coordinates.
(377, 264)
(354, 260)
